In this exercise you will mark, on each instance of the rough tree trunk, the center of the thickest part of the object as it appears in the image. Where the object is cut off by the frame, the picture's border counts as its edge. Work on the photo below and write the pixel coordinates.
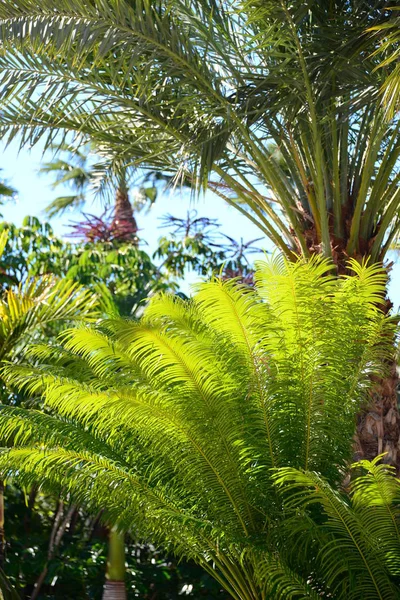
(114, 588)
(2, 537)
(378, 424)
(124, 224)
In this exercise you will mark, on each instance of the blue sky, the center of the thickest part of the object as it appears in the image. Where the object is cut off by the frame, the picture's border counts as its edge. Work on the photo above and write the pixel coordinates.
(20, 169)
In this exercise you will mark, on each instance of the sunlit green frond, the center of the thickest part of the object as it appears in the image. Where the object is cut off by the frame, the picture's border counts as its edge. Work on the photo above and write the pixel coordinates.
(39, 303)
(386, 36)
(376, 499)
(3, 240)
(348, 547)
(281, 583)
(174, 422)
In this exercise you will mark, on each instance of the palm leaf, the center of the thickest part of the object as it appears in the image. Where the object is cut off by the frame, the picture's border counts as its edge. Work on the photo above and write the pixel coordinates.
(199, 90)
(174, 422)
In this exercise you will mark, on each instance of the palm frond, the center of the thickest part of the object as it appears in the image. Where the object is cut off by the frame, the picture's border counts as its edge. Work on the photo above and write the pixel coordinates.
(200, 90)
(174, 422)
(39, 303)
(376, 498)
(351, 544)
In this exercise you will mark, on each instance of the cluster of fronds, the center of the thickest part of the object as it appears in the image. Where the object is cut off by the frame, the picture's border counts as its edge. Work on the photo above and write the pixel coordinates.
(274, 105)
(217, 427)
(39, 303)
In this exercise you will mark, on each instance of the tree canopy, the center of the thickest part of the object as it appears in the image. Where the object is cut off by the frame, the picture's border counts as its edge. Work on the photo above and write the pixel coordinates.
(274, 106)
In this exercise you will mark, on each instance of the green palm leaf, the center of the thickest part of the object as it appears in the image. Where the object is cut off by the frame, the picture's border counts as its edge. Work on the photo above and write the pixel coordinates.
(355, 540)
(173, 423)
(272, 106)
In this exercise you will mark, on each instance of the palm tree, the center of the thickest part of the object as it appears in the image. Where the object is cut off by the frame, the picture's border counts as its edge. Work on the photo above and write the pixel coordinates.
(76, 171)
(194, 426)
(114, 588)
(273, 105)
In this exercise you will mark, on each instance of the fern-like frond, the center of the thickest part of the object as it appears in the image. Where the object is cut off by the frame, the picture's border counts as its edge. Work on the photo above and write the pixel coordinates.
(350, 547)
(39, 303)
(376, 499)
(196, 403)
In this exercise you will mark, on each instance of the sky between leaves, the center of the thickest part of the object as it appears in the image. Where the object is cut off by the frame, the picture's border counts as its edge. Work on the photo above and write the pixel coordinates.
(20, 169)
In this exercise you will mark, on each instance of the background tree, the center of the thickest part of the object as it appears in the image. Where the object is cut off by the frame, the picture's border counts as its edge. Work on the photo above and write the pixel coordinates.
(127, 273)
(195, 243)
(77, 168)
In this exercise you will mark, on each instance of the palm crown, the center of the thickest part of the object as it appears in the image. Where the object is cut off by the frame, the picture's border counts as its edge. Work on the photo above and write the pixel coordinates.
(179, 426)
(272, 105)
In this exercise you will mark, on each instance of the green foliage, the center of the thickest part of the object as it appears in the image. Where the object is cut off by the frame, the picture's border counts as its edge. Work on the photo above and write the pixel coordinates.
(78, 568)
(193, 427)
(38, 303)
(202, 90)
(121, 271)
(193, 244)
(386, 37)
(7, 592)
(357, 534)
(191, 252)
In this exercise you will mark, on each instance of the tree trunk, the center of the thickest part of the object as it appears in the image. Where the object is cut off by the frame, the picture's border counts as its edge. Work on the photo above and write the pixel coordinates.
(114, 588)
(59, 526)
(378, 424)
(124, 226)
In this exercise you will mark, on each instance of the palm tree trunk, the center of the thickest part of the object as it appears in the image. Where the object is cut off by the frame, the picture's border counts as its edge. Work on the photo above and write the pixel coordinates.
(124, 226)
(378, 426)
(114, 588)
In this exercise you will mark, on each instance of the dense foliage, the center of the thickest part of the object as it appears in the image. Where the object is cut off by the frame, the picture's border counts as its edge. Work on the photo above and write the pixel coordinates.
(69, 549)
(35, 304)
(275, 106)
(122, 271)
(222, 427)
